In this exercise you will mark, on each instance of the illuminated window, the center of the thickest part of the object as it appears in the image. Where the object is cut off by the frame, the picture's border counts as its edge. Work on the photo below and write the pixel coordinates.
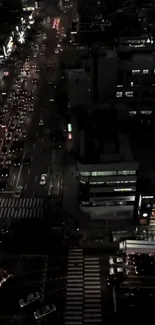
(135, 72)
(105, 173)
(129, 93)
(132, 113)
(146, 112)
(127, 172)
(84, 174)
(145, 71)
(119, 94)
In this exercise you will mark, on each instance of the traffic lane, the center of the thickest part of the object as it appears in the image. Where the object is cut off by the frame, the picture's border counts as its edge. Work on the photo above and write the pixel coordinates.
(39, 166)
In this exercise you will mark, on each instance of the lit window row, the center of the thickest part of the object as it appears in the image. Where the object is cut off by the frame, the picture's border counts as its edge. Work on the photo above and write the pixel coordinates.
(127, 94)
(108, 173)
(148, 112)
(144, 71)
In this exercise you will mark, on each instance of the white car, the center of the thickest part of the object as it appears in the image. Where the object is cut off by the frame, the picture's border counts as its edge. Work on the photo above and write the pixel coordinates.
(51, 99)
(8, 136)
(116, 260)
(56, 51)
(30, 298)
(48, 309)
(31, 107)
(41, 123)
(18, 191)
(43, 179)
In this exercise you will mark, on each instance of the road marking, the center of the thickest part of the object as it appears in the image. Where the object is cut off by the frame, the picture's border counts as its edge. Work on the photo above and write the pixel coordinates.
(34, 145)
(12, 180)
(29, 171)
(25, 187)
(31, 158)
(114, 299)
(36, 179)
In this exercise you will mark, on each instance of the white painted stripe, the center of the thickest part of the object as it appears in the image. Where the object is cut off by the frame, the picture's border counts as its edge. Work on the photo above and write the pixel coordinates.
(70, 302)
(94, 320)
(93, 278)
(92, 283)
(92, 295)
(73, 323)
(76, 277)
(73, 317)
(72, 293)
(74, 289)
(93, 310)
(74, 283)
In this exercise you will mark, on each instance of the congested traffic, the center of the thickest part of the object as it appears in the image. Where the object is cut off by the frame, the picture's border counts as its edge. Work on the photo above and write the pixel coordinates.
(16, 115)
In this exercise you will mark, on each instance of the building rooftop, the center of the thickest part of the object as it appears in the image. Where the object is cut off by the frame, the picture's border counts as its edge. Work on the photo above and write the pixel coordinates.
(100, 142)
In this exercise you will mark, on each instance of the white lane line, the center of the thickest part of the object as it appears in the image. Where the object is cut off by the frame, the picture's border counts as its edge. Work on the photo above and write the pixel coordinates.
(31, 158)
(29, 171)
(114, 299)
(25, 187)
(34, 145)
(12, 180)
(36, 179)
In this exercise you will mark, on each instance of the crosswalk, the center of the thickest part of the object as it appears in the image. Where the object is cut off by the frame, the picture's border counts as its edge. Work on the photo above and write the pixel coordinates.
(92, 291)
(83, 290)
(74, 288)
(21, 208)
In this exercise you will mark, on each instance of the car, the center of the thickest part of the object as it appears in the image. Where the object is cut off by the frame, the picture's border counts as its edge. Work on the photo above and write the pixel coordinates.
(56, 51)
(48, 309)
(15, 138)
(4, 150)
(5, 109)
(1, 161)
(5, 172)
(12, 148)
(2, 186)
(43, 179)
(31, 107)
(117, 260)
(8, 136)
(18, 129)
(50, 82)
(21, 121)
(51, 99)
(17, 115)
(17, 161)
(24, 134)
(1, 115)
(34, 81)
(12, 127)
(8, 160)
(27, 160)
(41, 123)
(20, 145)
(18, 192)
(30, 298)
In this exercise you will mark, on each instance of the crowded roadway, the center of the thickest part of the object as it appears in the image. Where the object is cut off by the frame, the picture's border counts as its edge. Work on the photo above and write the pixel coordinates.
(26, 148)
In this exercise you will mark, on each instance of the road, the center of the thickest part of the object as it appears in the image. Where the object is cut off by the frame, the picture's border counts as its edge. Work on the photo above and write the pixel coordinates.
(39, 144)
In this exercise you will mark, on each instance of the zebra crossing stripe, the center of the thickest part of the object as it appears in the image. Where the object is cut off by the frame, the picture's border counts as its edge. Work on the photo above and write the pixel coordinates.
(18, 208)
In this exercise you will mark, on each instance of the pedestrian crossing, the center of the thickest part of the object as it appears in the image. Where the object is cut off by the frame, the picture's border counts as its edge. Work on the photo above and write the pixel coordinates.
(92, 292)
(74, 288)
(83, 290)
(21, 208)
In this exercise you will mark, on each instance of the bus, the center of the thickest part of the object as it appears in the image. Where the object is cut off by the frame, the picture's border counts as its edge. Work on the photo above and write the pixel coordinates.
(130, 247)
